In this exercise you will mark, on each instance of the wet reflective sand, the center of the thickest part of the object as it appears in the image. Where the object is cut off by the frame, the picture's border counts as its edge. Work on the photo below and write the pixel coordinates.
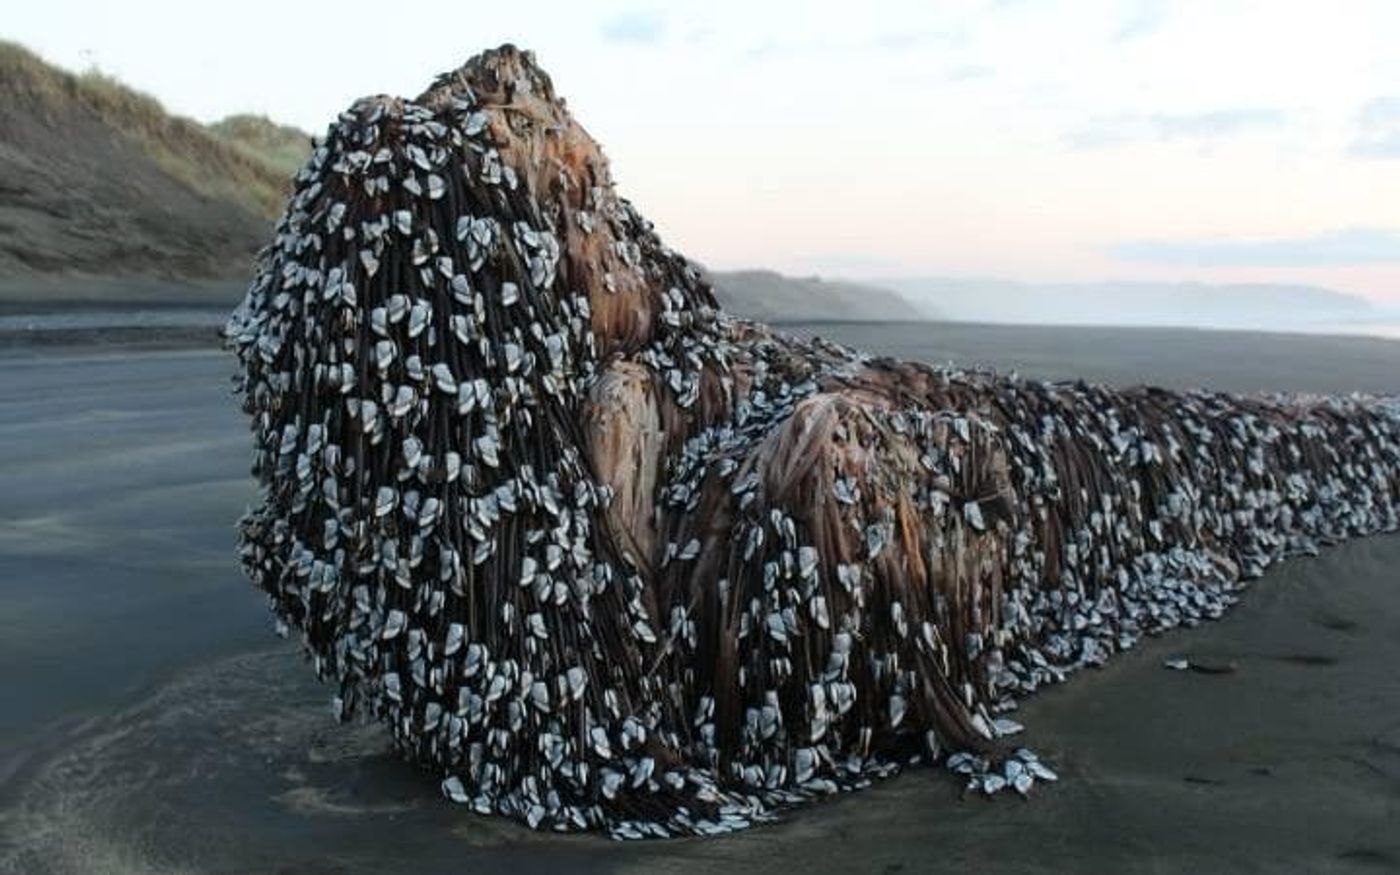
(150, 723)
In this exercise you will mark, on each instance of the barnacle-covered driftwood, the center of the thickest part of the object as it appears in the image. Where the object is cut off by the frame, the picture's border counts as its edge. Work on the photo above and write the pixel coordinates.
(607, 558)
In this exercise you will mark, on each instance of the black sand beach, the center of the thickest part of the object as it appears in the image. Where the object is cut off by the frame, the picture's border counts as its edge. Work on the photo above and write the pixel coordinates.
(150, 722)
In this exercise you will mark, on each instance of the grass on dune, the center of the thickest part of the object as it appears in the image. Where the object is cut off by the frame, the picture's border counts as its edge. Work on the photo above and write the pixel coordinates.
(221, 164)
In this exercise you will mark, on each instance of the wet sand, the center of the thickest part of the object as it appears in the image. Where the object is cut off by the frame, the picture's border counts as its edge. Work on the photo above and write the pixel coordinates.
(151, 723)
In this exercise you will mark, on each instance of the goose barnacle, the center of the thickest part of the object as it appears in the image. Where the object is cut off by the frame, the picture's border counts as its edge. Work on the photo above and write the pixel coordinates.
(566, 405)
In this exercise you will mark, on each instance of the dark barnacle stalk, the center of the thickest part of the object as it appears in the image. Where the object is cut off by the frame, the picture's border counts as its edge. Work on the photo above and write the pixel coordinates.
(604, 557)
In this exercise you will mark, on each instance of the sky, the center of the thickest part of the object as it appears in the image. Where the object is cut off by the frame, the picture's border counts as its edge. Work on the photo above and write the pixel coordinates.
(1083, 140)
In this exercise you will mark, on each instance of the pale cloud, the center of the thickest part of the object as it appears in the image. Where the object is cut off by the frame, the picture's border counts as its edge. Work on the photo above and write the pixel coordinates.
(773, 48)
(899, 41)
(1378, 129)
(908, 39)
(968, 72)
(636, 26)
(906, 43)
(1169, 127)
(1347, 247)
(1143, 19)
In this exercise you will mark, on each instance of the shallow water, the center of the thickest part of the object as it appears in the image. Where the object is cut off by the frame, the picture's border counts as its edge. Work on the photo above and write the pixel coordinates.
(66, 320)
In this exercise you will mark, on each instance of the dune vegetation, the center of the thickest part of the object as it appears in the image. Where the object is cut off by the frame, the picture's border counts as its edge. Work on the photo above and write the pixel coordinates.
(98, 178)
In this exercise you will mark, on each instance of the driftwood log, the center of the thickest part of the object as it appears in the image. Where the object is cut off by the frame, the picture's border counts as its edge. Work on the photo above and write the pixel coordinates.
(605, 557)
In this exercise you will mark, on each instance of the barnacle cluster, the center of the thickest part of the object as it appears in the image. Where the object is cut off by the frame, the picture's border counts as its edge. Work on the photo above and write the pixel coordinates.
(605, 557)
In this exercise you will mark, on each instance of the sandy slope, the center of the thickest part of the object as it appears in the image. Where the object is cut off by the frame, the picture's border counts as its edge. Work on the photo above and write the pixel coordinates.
(96, 178)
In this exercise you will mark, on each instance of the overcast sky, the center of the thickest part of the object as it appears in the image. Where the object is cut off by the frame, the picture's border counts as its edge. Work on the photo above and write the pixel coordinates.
(1026, 139)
